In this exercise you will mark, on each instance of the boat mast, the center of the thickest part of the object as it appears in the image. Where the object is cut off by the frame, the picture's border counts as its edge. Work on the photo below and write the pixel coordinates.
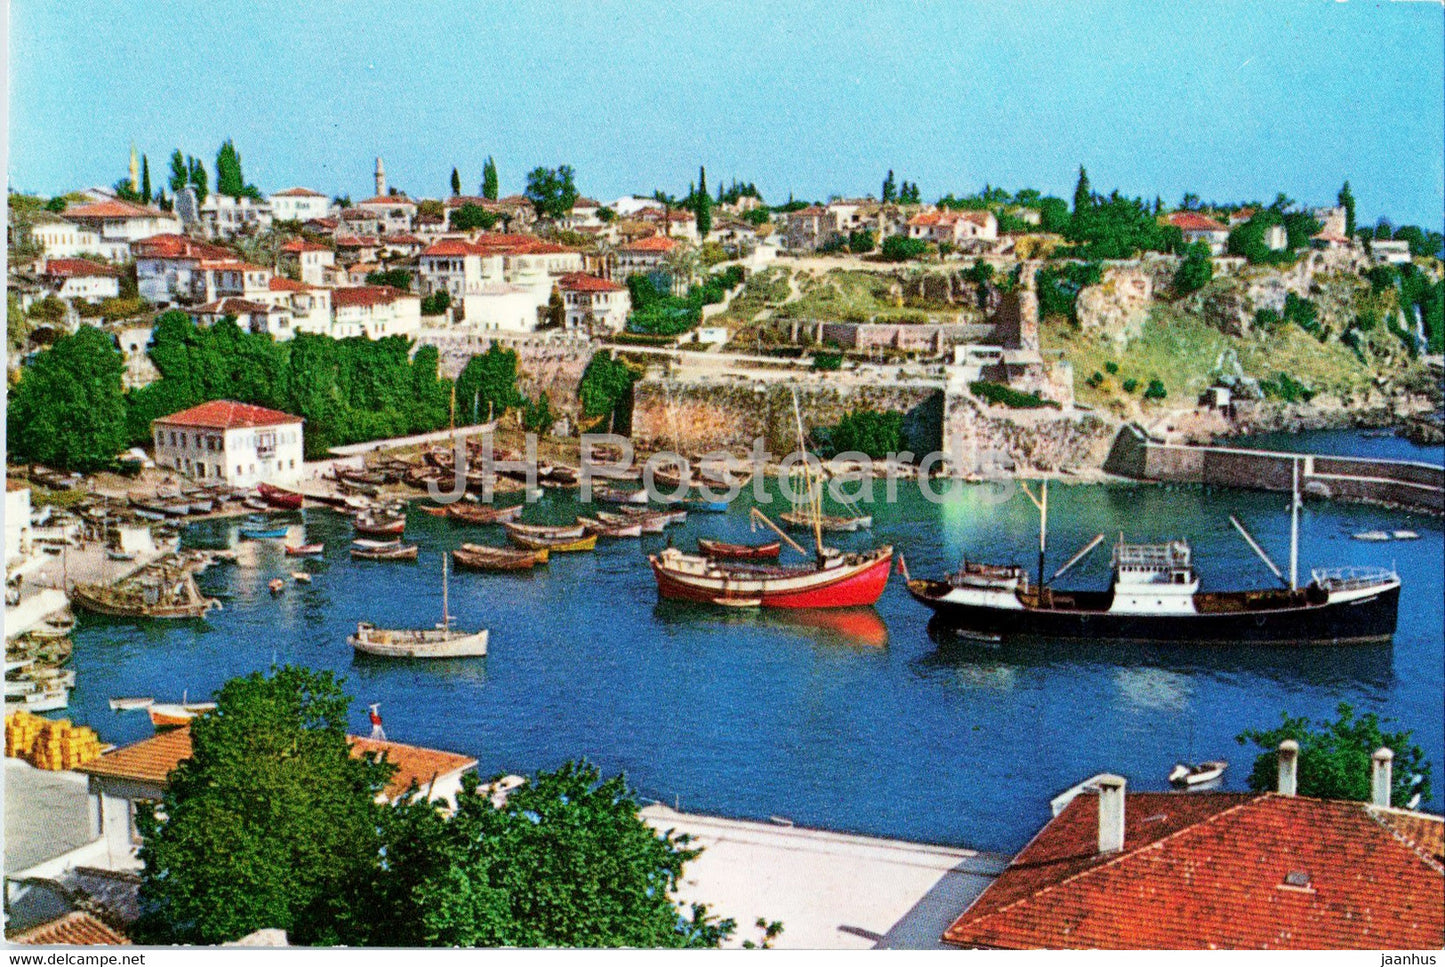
(446, 610)
(1042, 503)
(1294, 528)
(814, 506)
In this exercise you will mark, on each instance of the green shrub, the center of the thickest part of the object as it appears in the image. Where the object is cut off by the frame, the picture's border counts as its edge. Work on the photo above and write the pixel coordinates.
(1112, 368)
(901, 248)
(1155, 390)
(1130, 385)
(1001, 395)
(827, 362)
(1286, 388)
(1095, 380)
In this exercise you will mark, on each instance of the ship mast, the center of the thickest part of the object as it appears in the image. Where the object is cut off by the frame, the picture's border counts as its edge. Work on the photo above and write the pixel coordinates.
(446, 610)
(1294, 528)
(815, 507)
(1042, 503)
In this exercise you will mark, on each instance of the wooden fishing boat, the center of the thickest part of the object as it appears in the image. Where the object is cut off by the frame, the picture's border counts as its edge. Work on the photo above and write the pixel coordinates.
(649, 523)
(255, 503)
(374, 525)
(304, 550)
(669, 516)
(363, 477)
(836, 580)
(799, 520)
(557, 545)
(740, 552)
(280, 496)
(300, 577)
(433, 511)
(443, 641)
(251, 532)
(383, 551)
(546, 531)
(613, 495)
(165, 593)
(479, 557)
(603, 529)
(470, 514)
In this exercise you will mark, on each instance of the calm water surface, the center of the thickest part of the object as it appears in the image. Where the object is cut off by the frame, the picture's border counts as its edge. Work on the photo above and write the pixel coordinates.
(857, 720)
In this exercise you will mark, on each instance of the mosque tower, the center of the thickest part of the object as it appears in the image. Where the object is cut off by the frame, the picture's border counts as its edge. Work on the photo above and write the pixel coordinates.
(380, 178)
(134, 171)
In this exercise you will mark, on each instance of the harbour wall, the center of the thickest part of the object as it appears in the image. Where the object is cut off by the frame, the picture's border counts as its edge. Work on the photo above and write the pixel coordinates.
(1394, 483)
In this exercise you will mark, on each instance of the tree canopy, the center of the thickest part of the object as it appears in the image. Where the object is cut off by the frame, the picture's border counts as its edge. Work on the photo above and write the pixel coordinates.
(468, 216)
(490, 184)
(487, 385)
(1196, 269)
(606, 386)
(1334, 757)
(552, 191)
(67, 410)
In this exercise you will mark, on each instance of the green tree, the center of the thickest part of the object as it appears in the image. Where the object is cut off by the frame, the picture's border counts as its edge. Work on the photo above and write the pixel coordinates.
(229, 180)
(901, 248)
(456, 183)
(1347, 201)
(537, 415)
(490, 184)
(1334, 757)
(180, 173)
(552, 191)
(1083, 195)
(468, 216)
(1054, 215)
(606, 383)
(487, 385)
(889, 192)
(861, 243)
(556, 310)
(268, 823)
(196, 171)
(702, 206)
(867, 431)
(1196, 269)
(67, 410)
(437, 303)
(396, 278)
(145, 180)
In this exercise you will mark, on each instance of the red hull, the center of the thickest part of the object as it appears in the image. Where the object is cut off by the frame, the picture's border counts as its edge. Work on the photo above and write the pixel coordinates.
(277, 497)
(855, 587)
(390, 529)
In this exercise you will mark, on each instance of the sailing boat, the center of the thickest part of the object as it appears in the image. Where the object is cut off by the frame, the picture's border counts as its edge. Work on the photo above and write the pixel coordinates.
(832, 579)
(443, 641)
(1155, 596)
(801, 519)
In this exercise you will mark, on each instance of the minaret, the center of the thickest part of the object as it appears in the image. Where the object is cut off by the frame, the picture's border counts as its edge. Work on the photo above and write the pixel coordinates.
(380, 177)
(134, 170)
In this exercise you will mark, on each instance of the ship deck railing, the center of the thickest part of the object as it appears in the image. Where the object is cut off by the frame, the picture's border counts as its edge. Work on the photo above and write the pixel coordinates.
(1350, 578)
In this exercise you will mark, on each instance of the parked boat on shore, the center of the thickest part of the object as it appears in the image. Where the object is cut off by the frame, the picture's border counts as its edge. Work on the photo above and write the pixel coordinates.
(161, 591)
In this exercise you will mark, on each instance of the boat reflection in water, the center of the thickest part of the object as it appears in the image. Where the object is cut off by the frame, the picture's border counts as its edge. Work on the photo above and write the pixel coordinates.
(859, 627)
(1368, 665)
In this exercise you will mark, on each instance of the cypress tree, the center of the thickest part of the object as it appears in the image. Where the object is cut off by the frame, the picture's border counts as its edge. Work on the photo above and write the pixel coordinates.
(145, 180)
(1083, 196)
(456, 183)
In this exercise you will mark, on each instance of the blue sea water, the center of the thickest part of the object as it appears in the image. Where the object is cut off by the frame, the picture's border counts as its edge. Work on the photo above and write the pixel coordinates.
(857, 720)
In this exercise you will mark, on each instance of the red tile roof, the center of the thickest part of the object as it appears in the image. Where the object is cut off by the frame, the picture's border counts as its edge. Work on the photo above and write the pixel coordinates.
(653, 243)
(297, 193)
(403, 238)
(357, 241)
(1209, 871)
(72, 268)
(230, 265)
(364, 295)
(280, 283)
(658, 214)
(1195, 222)
(301, 245)
(581, 282)
(152, 760)
(323, 222)
(75, 929)
(233, 307)
(177, 247)
(494, 243)
(380, 200)
(226, 415)
(113, 209)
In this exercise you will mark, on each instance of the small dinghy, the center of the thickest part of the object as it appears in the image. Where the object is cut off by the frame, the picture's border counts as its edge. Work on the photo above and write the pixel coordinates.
(1188, 776)
(130, 703)
(632, 528)
(255, 533)
(174, 714)
(383, 551)
(740, 552)
(300, 577)
(1405, 535)
(479, 557)
(1371, 536)
(304, 550)
(611, 495)
(276, 586)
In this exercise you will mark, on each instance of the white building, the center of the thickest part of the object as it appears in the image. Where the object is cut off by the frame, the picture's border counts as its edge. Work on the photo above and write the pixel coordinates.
(492, 276)
(310, 260)
(394, 212)
(167, 267)
(299, 205)
(954, 228)
(309, 305)
(593, 302)
(223, 216)
(59, 239)
(236, 442)
(116, 224)
(17, 521)
(643, 256)
(1395, 251)
(490, 308)
(374, 311)
(80, 279)
(256, 317)
(1201, 228)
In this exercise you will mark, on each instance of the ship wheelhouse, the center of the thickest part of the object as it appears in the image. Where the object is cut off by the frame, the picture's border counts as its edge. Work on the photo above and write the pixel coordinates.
(1153, 579)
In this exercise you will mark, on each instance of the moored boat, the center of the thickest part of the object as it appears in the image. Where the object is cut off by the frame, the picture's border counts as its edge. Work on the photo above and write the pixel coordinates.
(604, 529)
(1189, 776)
(172, 715)
(557, 545)
(547, 531)
(366, 550)
(443, 641)
(379, 525)
(161, 592)
(614, 495)
(280, 496)
(469, 514)
(838, 580)
(304, 550)
(256, 533)
(647, 523)
(131, 703)
(480, 557)
(740, 552)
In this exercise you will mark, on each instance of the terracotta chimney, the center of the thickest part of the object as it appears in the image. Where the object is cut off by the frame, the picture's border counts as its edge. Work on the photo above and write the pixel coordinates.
(1380, 777)
(1288, 767)
(1111, 813)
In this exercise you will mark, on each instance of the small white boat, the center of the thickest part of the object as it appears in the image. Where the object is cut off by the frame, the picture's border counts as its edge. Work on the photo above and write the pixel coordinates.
(443, 641)
(1405, 535)
(171, 715)
(1197, 775)
(1371, 536)
(130, 704)
(300, 577)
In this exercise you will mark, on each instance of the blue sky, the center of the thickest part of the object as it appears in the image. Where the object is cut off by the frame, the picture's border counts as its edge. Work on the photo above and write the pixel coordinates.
(1227, 99)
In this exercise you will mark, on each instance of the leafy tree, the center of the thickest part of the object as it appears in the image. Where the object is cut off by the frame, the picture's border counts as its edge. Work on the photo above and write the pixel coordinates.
(889, 191)
(861, 243)
(1116, 227)
(537, 415)
(268, 823)
(487, 385)
(490, 184)
(1196, 269)
(396, 278)
(180, 172)
(145, 180)
(437, 303)
(551, 191)
(827, 362)
(1155, 390)
(17, 327)
(1335, 757)
(67, 410)
(1083, 195)
(229, 180)
(556, 310)
(50, 309)
(456, 183)
(1053, 215)
(468, 216)
(196, 171)
(606, 386)
(901, 248)
(867, 431)
(1059, 288)
(1347, 201)
(908, 194)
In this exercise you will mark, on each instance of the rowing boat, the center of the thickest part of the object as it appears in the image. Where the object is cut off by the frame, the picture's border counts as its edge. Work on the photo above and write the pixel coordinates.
(547, 532)
(467, 514)
(479, 557)
(304, 550)
(383, 551)
(649, 523)
(740, 552)
(604, 529)
(557, 545)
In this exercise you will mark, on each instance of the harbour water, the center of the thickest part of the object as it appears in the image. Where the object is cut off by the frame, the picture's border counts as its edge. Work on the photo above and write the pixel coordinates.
(867, 721)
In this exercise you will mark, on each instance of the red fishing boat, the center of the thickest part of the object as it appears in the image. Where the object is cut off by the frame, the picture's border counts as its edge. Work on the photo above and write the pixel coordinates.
(373, 526)
(304, 550)
(433, 511)
(471, 514)
(279, 496)
(740, 552)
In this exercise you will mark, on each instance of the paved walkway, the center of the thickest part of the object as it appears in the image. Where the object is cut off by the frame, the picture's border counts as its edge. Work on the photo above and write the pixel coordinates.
(830, 890)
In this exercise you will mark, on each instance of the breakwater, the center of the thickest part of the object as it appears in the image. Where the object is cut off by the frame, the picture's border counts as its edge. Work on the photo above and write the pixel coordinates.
(1406, 484)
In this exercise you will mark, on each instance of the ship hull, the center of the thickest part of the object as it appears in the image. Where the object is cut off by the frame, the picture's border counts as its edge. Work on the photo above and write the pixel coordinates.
(1363, 620)
(845, 586)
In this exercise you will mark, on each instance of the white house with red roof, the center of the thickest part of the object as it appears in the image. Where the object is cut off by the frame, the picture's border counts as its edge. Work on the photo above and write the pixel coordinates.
(225, 217)
(299, 205)
(593, 302)
(395, 212)
(80, 279)
(309, 305)
(60, 239)
(257, 317)
(491, 275)
(1201, 228)
(374, 311)
(677, 223)
(643, 256)
(236, 442)
(167, 267)
(218, 278)
(954, 227)
(117, 224)
(310, 260)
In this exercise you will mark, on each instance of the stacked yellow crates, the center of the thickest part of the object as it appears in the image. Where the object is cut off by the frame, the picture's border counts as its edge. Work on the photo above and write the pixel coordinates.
(21, 730)
(51, 745)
